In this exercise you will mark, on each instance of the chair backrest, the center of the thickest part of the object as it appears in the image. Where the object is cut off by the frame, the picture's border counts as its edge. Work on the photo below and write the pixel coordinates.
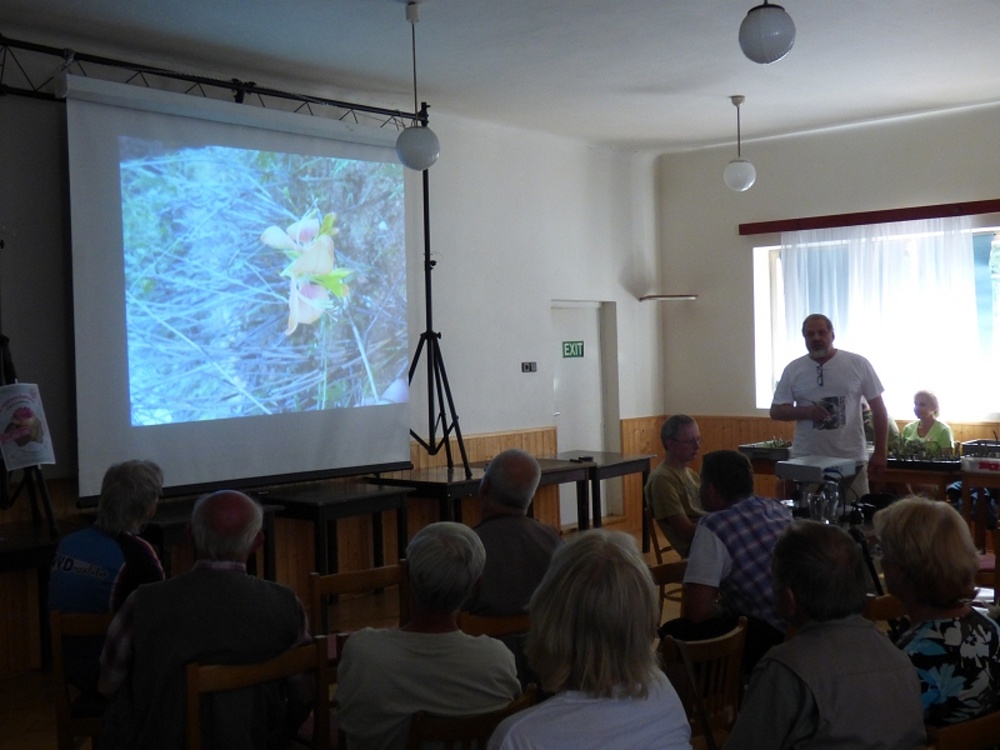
(882, 608)
(669, 574)
(974, 734)
(72, 719)
(214, 678)
(323, 587)
(714, 678)
(464, 732)
(655, 533)
(494, 626)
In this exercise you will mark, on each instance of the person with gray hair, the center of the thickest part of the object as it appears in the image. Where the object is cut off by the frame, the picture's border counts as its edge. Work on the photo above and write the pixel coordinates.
(213, 613)
(387, 675)
(671, 491)
(95, 569)
(518, 548)
(592, 644)
(838, 682)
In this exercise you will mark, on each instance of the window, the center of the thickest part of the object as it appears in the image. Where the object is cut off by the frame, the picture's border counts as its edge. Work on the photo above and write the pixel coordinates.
(920, 300)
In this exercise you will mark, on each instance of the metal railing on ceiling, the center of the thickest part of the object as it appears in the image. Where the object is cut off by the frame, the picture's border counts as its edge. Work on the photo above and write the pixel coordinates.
(35, 70)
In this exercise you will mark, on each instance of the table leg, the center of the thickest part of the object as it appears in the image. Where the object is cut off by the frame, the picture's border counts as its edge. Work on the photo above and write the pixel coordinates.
(402, 531)
(378, 554)
(646, 531)
(320, 533)
(582, 501)
(595, 501)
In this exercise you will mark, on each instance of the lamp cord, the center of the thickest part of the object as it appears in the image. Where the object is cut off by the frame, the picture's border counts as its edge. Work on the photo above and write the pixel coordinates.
(413, 48)
(738, 138)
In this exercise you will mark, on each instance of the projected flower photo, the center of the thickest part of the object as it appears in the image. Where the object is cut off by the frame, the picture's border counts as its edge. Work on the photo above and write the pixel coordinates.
(259, 282)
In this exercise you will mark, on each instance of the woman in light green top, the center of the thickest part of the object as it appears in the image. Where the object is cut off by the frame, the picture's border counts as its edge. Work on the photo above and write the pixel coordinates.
(928, 428)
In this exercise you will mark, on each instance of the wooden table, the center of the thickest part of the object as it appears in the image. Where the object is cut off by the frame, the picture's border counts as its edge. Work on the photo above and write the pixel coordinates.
(450, 486)
(325, 504)
(25, 545)
(447, 486)
(938, 474)
(169, 527)
(604, 465)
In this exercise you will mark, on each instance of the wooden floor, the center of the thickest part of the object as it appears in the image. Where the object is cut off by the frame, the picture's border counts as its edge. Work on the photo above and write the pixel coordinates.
(27, 717)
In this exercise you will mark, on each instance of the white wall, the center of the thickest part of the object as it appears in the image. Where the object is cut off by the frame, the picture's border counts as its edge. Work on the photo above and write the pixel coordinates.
(519, 219)
(707, 345)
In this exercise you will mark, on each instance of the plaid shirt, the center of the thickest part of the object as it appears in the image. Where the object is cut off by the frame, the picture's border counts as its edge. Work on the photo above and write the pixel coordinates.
(749, 530)
(116, 658)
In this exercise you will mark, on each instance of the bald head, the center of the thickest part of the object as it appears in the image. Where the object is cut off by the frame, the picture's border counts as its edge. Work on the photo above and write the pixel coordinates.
(510, 480)
(226, 525)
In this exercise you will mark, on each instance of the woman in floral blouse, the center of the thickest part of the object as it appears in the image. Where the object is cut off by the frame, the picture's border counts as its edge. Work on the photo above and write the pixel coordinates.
(930, 564)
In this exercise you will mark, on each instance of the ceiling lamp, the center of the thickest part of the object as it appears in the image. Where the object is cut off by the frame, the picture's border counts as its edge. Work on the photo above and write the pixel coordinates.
(417, 146)
(740, 174)
(767, 33)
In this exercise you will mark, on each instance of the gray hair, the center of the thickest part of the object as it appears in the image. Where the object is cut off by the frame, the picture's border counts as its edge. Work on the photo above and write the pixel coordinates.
(929, 541)
(446, 561)
(670, 429)
(129, 491)
(822, 566)
(594, 619)
(222, 533)
(511, 478)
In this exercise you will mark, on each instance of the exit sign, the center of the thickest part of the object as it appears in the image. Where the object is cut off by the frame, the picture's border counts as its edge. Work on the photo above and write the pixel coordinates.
(572, 349)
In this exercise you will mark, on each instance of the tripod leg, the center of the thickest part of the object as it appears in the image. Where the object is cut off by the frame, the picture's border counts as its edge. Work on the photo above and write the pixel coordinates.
(443, 382)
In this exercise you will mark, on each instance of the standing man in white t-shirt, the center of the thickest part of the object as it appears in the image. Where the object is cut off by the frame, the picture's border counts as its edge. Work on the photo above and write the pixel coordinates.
(821, 392)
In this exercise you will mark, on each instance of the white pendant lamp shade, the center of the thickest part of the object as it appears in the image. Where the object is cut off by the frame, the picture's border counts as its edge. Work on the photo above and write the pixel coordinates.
(767, 33)
(740, 175)
(418, 147)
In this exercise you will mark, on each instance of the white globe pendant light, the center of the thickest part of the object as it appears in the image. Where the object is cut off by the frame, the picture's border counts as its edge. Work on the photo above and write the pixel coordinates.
(739, 174)
(417, 146)
(767, 33)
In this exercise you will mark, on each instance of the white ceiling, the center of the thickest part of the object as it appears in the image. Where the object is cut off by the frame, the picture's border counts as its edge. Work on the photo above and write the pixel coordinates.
(654, 73)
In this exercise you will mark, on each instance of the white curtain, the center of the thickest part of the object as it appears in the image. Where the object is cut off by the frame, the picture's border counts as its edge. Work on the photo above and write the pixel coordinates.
(901, 294)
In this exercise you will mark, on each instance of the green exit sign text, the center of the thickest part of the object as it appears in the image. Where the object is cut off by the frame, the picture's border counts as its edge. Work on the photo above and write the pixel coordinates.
(572, 349)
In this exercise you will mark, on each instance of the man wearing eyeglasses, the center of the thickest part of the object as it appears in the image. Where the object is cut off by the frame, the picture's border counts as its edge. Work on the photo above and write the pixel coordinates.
(672, 488)
(822, 393)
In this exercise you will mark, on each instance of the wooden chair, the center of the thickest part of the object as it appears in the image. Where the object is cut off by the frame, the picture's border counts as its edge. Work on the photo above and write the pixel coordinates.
(707, 677)
(73, 718)
(322, 588)
(493, 626)
(975, 734)
(655, 533)
(669, 574)
(464, 732)
(214, 678)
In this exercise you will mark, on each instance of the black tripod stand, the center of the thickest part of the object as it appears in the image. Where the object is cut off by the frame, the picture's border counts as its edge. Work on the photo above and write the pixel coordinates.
(437, 379)
(32, 479)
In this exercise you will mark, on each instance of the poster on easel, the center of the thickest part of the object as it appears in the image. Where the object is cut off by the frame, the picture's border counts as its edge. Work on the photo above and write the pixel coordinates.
(24, 434)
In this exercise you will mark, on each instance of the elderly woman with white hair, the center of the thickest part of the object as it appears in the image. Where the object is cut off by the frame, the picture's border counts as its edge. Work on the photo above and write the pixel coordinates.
(591, 643)
(930, 564)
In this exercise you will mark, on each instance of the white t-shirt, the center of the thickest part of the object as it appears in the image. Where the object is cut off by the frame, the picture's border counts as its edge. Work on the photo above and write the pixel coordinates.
(572, 721)
(846, 377)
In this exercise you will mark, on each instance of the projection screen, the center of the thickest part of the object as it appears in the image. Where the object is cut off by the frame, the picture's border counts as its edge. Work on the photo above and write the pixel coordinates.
(239, 283)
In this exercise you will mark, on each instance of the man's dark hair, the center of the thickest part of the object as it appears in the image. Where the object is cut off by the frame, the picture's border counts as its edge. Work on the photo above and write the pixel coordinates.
(822, 565)
(817, 316)
(730, 472)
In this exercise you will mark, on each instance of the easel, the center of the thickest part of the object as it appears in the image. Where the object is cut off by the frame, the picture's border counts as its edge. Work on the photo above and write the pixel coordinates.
(437, 379)
(32, 479)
